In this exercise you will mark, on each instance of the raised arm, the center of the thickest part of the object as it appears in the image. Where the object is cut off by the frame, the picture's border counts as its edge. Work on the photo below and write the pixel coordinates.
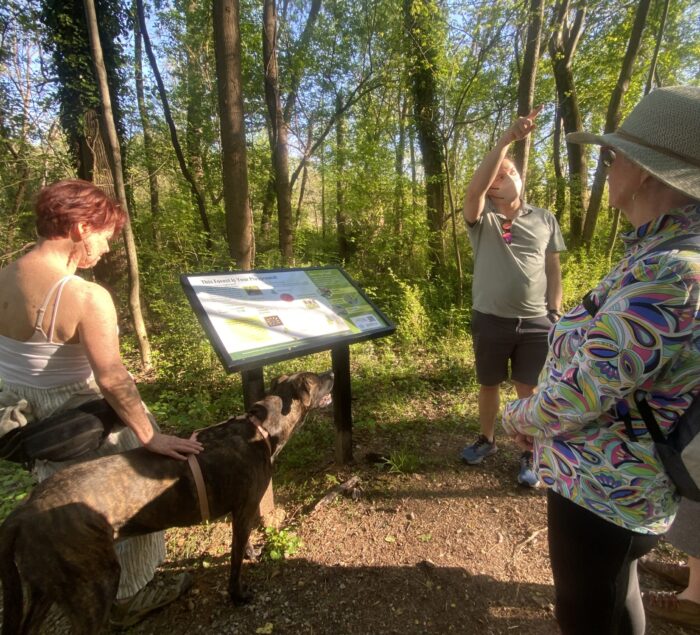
(485, 174)
(98, 333)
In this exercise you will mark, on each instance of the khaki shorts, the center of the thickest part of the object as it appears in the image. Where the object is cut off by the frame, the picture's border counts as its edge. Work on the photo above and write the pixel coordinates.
(499, 342)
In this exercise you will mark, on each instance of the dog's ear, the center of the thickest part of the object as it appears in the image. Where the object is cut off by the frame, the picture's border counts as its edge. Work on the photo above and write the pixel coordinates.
(305, 385)
(258, 411)
(277, 380)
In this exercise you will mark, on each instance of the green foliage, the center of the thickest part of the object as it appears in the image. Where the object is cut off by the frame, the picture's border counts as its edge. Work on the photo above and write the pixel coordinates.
(280, 544)
(65, 36)
(402, 461)
(403, 302)
(15, 483)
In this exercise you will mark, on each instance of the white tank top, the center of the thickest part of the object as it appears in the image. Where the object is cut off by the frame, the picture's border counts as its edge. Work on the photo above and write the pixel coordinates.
(40, 362)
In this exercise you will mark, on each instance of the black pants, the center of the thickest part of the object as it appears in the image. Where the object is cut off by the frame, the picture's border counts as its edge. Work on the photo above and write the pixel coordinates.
(594, 564)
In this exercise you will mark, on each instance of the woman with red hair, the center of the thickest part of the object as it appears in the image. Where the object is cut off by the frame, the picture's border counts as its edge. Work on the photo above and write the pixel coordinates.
(59, 348)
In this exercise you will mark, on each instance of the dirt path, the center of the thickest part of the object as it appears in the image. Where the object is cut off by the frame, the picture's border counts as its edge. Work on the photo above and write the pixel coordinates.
(449, 549)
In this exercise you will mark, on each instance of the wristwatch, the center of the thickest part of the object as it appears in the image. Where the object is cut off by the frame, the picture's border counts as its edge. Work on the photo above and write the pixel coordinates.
(553, 315)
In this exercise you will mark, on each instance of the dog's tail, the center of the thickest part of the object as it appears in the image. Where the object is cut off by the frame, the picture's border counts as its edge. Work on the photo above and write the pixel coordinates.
(12, 600)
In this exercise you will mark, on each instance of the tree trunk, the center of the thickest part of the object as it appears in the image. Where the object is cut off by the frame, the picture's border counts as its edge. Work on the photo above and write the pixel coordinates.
(414, 170)
(399, 197)
(526, 84)
(195, 96)
(304, 174)
(239, 226)
(560, 185)
(612, 118)
(268, 204)
(657, 47)
(613, 233)
(302, 189)
(323, 192)
(422, 73)
(113, 142)
(562, 47)
(341, 218)
(147, 133)
(194, 188)
(279, 147)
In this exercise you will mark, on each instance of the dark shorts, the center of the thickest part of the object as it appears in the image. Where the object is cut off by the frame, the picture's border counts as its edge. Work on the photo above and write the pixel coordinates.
(497, 341)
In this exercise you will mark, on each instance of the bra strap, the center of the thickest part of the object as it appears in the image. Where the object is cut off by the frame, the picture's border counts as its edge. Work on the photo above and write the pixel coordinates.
(40, 313)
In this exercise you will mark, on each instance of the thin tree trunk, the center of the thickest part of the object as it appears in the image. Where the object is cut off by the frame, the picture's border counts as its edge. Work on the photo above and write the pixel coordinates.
(526, 84)
(194, 188)
(323, 192)
(455, 243)
(239, 226)
(657, 47)
(560, 184)
(414, 171)
(134, 291)
(268, 204)
(195, 93)
(147, 133)
(304, 175)
(340, 215)
(612, 118)
(279, 147)
(613, 233)
(399, 197)
(562, 47)
(302, 189)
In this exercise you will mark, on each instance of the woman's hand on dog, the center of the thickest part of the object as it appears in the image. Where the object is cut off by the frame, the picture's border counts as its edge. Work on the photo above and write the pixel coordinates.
(175, 447)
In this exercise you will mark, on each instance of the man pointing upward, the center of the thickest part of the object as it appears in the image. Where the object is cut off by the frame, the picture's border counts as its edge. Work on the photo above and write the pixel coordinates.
(516, 288)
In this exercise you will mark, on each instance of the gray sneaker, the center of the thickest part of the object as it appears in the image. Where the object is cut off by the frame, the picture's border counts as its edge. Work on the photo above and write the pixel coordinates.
(154, 595)
(527, 475)
(476, 452)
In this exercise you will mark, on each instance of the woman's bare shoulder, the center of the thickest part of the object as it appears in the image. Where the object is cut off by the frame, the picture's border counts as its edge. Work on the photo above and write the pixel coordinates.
(92, 295)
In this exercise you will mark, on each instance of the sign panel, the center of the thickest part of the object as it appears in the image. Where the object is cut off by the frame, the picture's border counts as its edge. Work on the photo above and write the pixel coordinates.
(253, 318)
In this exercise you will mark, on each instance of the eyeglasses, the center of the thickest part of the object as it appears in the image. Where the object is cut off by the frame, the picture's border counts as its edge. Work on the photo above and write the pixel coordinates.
(607, 156)
(506, 233)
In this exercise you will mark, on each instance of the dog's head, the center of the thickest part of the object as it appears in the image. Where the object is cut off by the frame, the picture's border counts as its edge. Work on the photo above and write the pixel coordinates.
(288, 401)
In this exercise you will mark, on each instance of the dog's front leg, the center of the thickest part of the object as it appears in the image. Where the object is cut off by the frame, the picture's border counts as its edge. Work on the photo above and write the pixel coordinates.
(239, 540)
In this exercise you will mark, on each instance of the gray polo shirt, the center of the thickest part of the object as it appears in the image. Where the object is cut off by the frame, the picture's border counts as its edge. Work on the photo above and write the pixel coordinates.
(509, 276)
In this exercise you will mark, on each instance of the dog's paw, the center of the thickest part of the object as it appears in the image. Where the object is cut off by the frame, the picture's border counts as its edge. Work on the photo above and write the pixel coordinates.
(241, 596)
(251, 553)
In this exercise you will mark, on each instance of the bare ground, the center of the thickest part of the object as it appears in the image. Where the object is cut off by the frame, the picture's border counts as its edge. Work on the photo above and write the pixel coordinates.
(448, 549)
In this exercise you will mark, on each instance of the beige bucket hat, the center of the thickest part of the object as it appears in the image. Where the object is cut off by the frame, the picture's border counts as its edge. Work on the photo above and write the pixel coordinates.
(661, 135)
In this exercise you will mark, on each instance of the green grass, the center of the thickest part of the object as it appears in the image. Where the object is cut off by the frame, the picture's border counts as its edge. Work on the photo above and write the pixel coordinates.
(15, 483)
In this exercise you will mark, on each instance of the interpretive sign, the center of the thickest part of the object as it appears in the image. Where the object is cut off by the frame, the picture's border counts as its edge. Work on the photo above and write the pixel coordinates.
(255, 318)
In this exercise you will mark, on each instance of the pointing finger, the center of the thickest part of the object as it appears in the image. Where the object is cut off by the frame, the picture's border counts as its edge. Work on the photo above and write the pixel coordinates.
(535, 111)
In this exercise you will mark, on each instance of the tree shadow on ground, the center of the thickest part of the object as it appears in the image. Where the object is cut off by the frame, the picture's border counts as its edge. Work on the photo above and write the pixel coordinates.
(299, 596)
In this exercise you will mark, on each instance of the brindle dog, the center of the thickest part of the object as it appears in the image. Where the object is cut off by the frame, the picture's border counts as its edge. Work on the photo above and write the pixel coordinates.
(59, 544)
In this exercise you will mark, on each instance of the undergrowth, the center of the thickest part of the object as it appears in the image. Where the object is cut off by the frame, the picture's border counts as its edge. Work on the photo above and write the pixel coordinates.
(422, 376)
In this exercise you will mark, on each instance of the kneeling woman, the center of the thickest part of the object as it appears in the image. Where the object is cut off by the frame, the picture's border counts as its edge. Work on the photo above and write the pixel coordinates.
(59, 347)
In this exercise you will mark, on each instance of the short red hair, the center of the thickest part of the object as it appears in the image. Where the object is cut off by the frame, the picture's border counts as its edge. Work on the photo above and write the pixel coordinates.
(62, 205)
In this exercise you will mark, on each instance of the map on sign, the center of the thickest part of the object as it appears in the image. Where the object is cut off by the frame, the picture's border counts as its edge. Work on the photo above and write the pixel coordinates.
(256, 316)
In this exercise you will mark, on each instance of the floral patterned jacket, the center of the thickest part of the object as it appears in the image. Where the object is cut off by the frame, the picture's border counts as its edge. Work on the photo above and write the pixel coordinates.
(645, 336)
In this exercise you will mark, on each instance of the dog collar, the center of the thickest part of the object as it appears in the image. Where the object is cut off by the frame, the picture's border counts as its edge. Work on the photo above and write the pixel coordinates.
(263, 433)
(199, 485)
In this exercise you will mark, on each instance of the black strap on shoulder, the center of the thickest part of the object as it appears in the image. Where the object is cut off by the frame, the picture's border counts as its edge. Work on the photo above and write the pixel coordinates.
(649, 418)
(623, 414)
(589, 303)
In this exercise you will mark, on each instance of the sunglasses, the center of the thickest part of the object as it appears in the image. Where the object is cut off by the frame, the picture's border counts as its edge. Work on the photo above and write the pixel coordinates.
(506, 234)
(608, 156)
